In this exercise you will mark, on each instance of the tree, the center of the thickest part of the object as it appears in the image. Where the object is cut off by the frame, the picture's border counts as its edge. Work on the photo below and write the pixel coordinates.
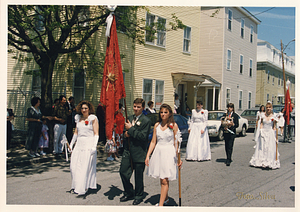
(48, 31)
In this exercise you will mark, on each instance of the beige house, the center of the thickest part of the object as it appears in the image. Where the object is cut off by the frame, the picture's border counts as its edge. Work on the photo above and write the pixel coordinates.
(228, 39)
(269, 81)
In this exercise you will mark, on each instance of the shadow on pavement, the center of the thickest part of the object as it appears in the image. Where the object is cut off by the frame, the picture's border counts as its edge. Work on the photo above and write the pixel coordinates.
(155, 199)
(221, 160)
(292, 188)
(113, 192)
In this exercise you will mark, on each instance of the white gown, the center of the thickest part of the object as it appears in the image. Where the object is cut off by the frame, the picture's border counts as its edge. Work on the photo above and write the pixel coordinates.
(83, 163)
(163, 162)
(265, 149)
(280, 120)
(198, 146)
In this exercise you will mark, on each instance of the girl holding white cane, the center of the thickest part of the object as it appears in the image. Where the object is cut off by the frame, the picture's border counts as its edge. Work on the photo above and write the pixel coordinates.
(84, 154)
(163, 162)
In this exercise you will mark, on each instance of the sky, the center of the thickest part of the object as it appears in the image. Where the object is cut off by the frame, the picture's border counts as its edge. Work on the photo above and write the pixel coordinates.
(277, 23)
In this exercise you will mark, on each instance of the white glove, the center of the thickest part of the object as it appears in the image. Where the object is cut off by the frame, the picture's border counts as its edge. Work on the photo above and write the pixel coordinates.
(74, 139)
(94, 148)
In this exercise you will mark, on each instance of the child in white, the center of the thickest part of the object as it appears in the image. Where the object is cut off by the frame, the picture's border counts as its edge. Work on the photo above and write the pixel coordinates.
(44, 138)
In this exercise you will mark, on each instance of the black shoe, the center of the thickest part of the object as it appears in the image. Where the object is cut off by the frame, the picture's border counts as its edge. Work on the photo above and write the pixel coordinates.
(137, 201)
(228, 162)
(126, 198)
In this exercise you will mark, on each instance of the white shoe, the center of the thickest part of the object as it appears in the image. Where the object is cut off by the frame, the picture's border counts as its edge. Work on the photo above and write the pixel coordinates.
(37, 154)
(42, 153)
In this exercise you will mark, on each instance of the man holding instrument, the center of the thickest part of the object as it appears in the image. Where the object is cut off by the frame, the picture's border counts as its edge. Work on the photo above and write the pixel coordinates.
(134, 155)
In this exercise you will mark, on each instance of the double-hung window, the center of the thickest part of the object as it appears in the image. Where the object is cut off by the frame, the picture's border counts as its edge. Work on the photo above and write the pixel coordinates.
(227, 96)
(251, 34)
(155, 30)
(240, 100)
(250, 68)
(36, 82)
(229, 19)
(147, 90)
(242, 27)
(187, 39)
(249, 100)
(241, 63)
(79, 85)
(159, 92)
(228, 59)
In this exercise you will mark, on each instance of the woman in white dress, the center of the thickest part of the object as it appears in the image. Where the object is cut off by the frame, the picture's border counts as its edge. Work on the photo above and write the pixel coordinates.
(198, 147)
(266, 152)
(281, 121)
(84, 154)
(163, 162)
(259, 115)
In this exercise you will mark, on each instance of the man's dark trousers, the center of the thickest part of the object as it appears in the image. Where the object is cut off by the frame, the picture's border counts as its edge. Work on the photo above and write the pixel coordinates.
(126, 172)
(229, 141)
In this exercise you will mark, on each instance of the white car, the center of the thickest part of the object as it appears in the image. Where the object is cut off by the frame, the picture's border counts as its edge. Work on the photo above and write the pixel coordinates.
(214, 124)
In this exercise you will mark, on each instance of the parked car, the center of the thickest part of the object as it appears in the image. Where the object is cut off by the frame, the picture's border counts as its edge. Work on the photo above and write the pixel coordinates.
(180, 120)
(214, 125)
(277, 108)
(250, 115)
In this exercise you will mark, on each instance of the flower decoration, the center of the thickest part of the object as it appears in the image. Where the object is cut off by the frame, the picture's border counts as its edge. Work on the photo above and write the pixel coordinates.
(171, 127)
(202, 112)
(86, 122)
(272, 119)
(138, 123)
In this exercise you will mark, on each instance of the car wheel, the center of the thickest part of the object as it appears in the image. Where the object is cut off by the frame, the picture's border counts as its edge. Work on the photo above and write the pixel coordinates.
(243, 132)
(221, 135)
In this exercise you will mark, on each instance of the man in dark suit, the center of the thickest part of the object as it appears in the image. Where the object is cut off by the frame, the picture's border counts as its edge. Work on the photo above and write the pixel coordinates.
(230, 131)
(134, 155)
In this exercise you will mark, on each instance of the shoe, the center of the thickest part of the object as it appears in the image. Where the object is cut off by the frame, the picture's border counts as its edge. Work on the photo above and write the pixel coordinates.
(42, 153)
(31, 155)
(37, 154)
(137, 201)
(126, 198)
(228, 162)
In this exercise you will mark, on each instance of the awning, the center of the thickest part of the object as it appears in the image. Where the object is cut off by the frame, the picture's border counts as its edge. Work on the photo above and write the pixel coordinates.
(187, 77)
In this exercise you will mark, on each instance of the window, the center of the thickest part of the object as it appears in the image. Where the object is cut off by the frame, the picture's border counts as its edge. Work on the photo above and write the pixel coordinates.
(274, 55)
(278, 80)
(249, 100)
(240, 99)
(250, 67)
(227, 96)
(83, 15)
(147, 90)
(187, 39)
(160, 28)
(79, 85)
(159, 93)
(242, 27)
(251, 34)
(39, 25)
(36, 81)
(268, 97)
(229, 19)
(228, 59)
(241, 63)
(282, 82)
(273, 80)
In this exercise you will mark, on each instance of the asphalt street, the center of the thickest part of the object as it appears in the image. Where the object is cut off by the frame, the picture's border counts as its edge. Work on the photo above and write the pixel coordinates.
(204, 184)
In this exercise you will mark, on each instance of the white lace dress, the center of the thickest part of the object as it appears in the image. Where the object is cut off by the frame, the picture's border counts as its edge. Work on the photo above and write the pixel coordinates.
(198, 146)
(83, 163)
(265, 149)
(163, 162)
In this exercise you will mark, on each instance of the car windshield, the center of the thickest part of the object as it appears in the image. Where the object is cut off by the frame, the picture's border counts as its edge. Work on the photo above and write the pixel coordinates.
(249, 113)
(215, 115)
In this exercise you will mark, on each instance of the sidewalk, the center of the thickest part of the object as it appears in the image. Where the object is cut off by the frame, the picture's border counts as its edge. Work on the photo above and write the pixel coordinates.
(17, 155)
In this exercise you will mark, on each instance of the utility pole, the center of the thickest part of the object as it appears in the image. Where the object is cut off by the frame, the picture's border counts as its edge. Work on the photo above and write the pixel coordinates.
(283, 72)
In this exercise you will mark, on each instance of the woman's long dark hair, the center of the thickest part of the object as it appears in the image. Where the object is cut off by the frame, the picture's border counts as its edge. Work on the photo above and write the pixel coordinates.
(260, 108)
(171, 117)
(88, 103)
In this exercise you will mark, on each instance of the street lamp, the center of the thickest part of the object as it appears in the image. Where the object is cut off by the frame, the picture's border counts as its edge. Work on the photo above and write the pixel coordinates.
(284, 83)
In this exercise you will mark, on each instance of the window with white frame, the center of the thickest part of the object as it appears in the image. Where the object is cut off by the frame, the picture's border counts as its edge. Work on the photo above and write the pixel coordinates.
(159, 93)
(242, 27)
(241, 63)
(228, 59)
(187, 39)
(251, 33)
(160, 35)
(249, 100)
(147, 89)
(273, 80)
(250, 68)
(79, 85)
(229, 19)
(240, 99)
(268, 97)
(268, 72)
(227, 96)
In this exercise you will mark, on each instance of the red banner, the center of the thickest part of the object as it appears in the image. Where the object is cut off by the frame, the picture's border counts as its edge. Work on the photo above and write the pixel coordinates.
(112, 83)
(287, 106)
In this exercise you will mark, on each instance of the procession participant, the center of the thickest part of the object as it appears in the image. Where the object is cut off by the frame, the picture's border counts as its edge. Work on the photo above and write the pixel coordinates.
(101, 118)
(70, 125)
(163, 162)
(266, 155)
(60, 116)
(134, 155)
(150, 108)
(119, 121)
(198, 147)
(230, 131)
(281, 121)
(259, 114)
(291, 126)
(84, 154)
